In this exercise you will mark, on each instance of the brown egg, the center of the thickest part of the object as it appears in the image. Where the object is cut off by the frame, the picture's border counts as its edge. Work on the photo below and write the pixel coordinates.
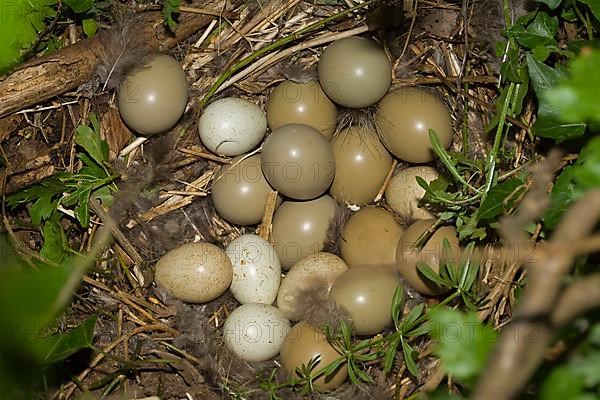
(404, 192)
(301, 103)
(194, 272)
(311, 272)
(366, 293)
(362, 163)
(370, 238)
(432, 254)
(300, 228)
(355, 72)
(304, 343)
(240, 191)
(404, 117)
(298, 161)
(153, 98)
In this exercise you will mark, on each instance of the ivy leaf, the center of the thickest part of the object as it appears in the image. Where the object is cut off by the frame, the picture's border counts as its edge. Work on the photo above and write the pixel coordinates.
(552, 4)
(463, 343)
(549, 124)
(79, 6)
(539, 32)
(500, 198)
(560, 198)
(577, 95)
(58, 347)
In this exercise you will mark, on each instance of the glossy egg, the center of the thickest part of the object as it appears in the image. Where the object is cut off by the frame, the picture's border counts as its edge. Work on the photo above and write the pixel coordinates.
(404, 192)
(370, 238)
(300, 228)
(355, 72)
(256, 269)
(304, 343)
(301, 103)
(366, 293)
(241, 182)
(298, 161)
(432, 254)
(153, 97)
(194, 272)
(255, 332)
(404, 118)
(362, 164)
(315, 270)
(232, 126)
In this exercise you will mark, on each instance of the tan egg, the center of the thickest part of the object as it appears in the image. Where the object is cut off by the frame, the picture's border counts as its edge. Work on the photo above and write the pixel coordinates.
(301, 103)
(298, 161)
(300, 228)
(240, 191)
(304, 343)
(362, 164)
(432, 254)
(355, 72)
(404, 118)
(404, 192)
(315, 270)
(153, 97)
(370, 238)
(366, 293)
(194, 272)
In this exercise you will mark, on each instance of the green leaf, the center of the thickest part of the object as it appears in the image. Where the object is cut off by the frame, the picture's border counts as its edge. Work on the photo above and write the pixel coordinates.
(463, 343)
(413, 315)
(397, 304)
(55, 242)
(577, 95)
(390, 355)
(500, 198)
(552, 4)
(560, 198)
(409, 358)
(430, 274)
(539, 32)
(42, 208)
(562, 383)
(594, 6)
(586, 172)
(170, 7)
(79, 6)
(58, 347)
(92, 143)
(89, 27)
(82, 209)
(548, 123)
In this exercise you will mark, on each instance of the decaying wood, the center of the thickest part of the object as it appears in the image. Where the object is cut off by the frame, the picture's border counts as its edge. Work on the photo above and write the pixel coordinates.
(66, 69)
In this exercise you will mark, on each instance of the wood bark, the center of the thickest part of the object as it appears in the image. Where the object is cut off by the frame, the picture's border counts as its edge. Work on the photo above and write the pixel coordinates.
(44, 78)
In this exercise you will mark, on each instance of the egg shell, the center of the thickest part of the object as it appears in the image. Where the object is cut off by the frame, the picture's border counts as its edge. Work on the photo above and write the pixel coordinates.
(304, 343)
(256, 269)
(370, 238)
(432, 254)
(355, 72)
(153, 97)
(299, 228)
(301, 103)
(362, 164)
(241, 182)
(366, 293)
(320, 269)
(298, 161)
(232, 126)
(404, 193)
(255, 332)
(195, 272)
(404, 118)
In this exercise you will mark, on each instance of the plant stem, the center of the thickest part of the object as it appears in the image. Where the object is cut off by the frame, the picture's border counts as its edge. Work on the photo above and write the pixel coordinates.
(273, 46)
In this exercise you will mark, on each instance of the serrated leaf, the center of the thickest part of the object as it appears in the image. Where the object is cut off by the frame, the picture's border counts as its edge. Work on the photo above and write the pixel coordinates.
(560, 198)
(463, 343)
(409, 358)
(92, 144)
(58, 347)
(500, 198)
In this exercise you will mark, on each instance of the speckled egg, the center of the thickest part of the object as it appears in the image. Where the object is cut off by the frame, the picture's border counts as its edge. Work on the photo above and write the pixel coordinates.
(194, 272)
(256, 269)
(232, 126)
(255, 332)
